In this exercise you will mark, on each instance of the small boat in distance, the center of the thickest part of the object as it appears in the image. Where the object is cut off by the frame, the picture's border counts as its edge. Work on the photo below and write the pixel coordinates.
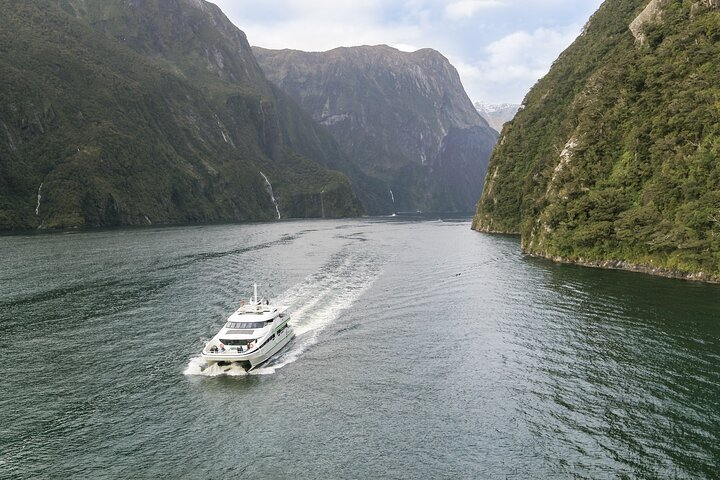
(251, 335)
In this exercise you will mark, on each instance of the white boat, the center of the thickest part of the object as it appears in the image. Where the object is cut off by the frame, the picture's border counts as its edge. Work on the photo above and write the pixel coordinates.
(251, 335)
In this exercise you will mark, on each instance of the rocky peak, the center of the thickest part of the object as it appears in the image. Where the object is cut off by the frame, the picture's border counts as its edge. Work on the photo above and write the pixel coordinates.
(394, 112)
(405, 82)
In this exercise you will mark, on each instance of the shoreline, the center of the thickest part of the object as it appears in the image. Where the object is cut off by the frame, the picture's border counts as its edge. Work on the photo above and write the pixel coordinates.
(632, 267)
(611, 264)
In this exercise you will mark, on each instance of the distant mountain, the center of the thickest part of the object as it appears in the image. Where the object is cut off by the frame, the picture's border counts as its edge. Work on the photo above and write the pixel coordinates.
(116, 112)
(402, 118)
(615, 158)
(497, 114)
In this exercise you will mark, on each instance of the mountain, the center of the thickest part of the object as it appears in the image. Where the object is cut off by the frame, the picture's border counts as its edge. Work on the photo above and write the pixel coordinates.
(402, 118)
(497, 114)
(614, 158)
(117, 112)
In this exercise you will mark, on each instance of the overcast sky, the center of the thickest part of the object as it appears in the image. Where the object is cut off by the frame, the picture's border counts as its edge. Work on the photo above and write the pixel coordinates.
(500, 47)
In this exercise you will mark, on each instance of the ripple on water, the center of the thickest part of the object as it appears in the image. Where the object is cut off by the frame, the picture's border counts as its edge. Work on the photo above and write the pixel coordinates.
(609, 382)
(423, 350)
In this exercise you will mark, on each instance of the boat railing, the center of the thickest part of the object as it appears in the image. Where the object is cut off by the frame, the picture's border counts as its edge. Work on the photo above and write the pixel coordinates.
(229, 349)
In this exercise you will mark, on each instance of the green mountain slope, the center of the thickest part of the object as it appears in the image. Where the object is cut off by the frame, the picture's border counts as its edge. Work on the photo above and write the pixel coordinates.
(97, 131)
(614, 159)
(402, 118)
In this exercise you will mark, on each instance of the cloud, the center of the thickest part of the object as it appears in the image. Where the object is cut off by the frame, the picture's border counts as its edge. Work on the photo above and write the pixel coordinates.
(499, 47)
(515, 62)
(329, 35)
(404, 47)
(527, 54)
(319, 25)
(468, 8)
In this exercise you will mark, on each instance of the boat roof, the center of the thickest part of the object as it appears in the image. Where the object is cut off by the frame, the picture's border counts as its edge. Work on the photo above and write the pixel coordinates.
(258, 312)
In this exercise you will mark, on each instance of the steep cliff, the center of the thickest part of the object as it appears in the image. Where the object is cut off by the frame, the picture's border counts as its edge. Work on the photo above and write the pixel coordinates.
(403, 118)
(120, 112)
(614, 158)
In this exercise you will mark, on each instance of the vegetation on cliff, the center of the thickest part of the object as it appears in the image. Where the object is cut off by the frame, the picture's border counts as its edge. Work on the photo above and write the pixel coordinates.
(615, 155)
(116, 112)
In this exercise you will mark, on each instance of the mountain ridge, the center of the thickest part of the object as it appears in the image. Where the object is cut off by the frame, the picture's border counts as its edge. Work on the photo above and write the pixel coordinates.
(402, 117)
(95, 133)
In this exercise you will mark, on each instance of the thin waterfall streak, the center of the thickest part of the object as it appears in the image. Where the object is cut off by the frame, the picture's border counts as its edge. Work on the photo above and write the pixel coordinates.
(39, 197)
(272, 196)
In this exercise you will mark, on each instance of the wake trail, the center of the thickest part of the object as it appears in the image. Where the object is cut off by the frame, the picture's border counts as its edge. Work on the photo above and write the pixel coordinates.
(315, 303)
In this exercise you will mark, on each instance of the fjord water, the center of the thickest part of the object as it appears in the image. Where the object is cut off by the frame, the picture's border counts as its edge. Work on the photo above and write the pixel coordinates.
(423, 350)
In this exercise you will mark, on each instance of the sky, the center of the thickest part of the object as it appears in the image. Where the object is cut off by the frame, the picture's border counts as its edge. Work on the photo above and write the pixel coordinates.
(499, 47)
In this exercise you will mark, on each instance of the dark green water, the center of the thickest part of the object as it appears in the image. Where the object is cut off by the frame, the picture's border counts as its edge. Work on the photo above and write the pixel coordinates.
(424, 350)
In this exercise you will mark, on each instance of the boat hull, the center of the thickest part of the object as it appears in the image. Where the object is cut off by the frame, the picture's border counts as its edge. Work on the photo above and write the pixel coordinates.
(253, 358)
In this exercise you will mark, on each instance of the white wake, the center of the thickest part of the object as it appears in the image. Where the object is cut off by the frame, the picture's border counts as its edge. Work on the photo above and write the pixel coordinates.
(315, 303)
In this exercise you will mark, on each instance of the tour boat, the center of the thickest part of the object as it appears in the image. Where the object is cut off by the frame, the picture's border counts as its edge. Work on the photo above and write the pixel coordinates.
(251, 335)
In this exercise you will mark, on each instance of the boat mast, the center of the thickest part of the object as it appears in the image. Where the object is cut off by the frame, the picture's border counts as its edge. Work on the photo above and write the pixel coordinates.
(255, 300)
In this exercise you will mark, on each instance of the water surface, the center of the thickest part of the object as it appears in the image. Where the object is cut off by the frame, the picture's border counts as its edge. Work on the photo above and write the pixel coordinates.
(423, 350)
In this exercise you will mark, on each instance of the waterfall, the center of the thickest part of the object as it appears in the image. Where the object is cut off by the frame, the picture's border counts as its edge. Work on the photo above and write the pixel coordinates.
(37, 209)
(272, 196)
(322, 203)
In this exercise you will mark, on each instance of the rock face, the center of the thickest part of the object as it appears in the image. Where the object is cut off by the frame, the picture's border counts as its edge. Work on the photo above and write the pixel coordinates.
(614, 159)
(651, 14)
(403, 118)
(117, 112)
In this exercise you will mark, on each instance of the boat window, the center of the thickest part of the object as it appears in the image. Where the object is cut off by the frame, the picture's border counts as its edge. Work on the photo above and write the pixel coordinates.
(281, 329)
(245, 325)
(233, 342)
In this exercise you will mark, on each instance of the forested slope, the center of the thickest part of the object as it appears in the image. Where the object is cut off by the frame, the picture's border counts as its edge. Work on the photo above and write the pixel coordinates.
(129, 126)
(614, 159)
